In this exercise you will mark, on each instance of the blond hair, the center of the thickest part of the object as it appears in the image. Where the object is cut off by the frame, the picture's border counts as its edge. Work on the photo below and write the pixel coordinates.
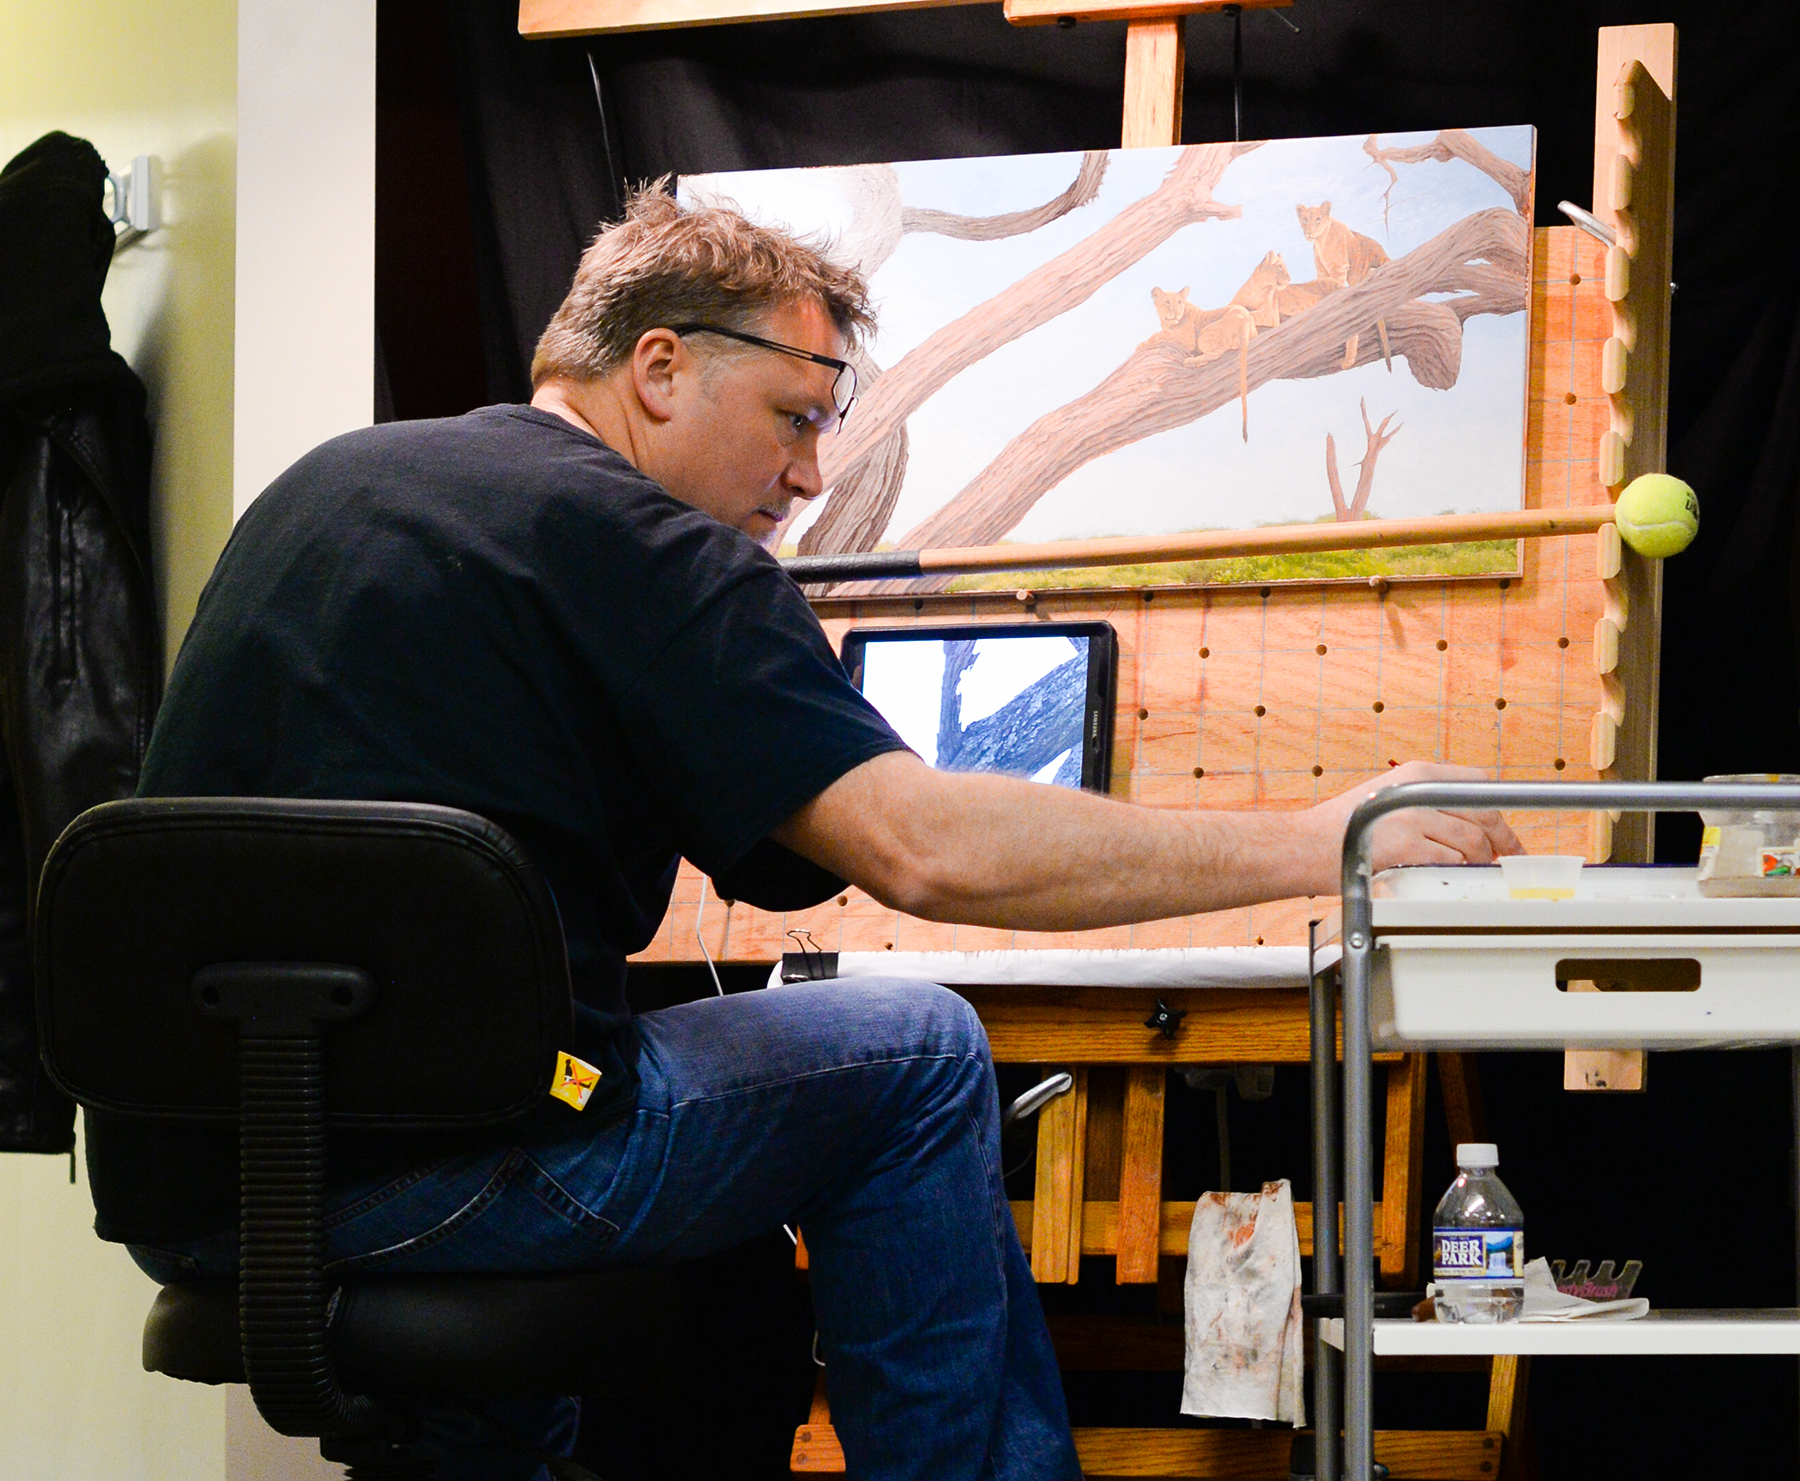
(665, 265)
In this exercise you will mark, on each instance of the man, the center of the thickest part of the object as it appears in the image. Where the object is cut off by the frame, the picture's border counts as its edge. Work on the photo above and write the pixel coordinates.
(559, 616)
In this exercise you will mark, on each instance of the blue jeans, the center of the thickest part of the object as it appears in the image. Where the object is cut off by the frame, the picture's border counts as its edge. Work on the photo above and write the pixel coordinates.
(867, 1114)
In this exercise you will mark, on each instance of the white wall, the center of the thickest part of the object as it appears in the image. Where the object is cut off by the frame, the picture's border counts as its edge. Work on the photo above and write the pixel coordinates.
(305, 231)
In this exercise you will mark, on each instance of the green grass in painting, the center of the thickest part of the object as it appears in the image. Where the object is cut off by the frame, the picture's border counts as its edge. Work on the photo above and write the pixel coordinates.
(1480, 558)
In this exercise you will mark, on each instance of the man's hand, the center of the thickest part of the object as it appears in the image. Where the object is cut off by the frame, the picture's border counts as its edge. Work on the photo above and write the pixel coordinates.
(1420, 835)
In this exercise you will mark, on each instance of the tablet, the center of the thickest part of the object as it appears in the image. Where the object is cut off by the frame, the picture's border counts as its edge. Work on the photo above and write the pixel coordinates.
(1029, 699)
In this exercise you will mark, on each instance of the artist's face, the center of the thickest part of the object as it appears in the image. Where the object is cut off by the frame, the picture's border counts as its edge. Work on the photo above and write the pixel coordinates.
(742, 440)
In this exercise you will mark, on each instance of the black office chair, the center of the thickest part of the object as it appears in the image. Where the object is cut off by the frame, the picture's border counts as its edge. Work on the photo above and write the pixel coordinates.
(298, 966)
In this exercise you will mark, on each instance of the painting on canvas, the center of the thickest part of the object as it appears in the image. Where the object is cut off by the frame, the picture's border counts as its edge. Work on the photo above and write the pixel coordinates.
(1155, 341)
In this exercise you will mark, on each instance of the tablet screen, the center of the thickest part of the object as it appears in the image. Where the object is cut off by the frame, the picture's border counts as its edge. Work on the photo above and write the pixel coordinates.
(1031, 701)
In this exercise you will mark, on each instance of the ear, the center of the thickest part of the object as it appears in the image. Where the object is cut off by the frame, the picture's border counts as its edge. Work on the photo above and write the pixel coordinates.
(1326, 206)
(1182, 295)
(656, 361)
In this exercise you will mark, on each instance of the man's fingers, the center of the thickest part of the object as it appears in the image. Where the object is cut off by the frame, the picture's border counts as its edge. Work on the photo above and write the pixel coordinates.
(1498, 837)
(1458, 832)
(1411, 847)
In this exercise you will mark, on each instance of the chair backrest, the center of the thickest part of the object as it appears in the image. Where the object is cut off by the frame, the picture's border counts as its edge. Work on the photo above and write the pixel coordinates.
(439, 908)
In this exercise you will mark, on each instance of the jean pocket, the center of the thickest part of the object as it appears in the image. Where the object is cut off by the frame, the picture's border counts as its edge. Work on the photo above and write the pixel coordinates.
(518, 1219)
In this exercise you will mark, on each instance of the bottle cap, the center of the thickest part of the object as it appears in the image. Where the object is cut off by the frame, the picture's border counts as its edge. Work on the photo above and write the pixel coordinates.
(1477, 1154)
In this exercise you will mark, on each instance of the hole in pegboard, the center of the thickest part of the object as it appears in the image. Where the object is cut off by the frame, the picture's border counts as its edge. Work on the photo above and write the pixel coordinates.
(1574, 277)
(1505, 582)
(1206, 653)
(1570, 398)
(1559, 763)
(1318, 771)
(918, 604)
(1199, 771)
(1143, 714)
(1266, 590)
(843, 900)
(1149, 596)
(1500, 704)
(1442, 645)
(1260, 711)
(1321, 650)
(1259, 940)
(1562, 642)
(1378, 707)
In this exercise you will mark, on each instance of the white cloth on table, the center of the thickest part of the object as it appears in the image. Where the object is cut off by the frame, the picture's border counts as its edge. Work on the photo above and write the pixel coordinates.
(1244, 1326)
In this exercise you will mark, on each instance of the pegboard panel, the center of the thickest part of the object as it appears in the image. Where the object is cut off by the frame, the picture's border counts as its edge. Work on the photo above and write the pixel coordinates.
(1276, 697)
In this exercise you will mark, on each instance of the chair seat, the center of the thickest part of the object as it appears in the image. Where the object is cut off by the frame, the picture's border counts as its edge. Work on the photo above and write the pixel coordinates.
(615, 1330)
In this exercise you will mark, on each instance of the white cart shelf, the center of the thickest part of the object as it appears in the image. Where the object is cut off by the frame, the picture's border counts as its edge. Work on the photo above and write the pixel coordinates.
(1773, 1330)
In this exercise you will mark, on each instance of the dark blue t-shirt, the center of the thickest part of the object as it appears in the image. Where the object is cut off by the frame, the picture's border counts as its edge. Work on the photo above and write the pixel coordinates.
(498, 613)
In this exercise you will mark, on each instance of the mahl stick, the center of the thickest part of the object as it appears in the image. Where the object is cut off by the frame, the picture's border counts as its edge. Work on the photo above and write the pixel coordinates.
(1361, 534)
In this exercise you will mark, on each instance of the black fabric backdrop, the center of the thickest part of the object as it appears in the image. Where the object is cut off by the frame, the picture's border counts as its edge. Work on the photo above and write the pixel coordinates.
(1695, 1176)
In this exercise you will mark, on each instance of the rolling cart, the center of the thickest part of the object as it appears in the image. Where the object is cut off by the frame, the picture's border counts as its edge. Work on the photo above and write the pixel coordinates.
(1444, 959)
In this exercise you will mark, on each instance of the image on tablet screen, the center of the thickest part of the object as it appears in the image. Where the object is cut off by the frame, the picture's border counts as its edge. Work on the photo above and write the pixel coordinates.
(1013, 705)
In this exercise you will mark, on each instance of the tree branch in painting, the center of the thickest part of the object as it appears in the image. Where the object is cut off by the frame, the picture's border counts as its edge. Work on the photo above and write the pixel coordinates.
(857, 509)
(1061, 284)
(1014, 223)
(1481, 261)
(1454, 144)
(1378, 438)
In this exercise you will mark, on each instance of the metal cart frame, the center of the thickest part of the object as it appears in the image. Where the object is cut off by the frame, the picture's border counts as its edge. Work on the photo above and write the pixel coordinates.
(1354, 1276)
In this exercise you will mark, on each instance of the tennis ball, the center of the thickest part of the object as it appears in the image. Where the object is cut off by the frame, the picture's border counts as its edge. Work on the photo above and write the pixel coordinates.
(1657, 515)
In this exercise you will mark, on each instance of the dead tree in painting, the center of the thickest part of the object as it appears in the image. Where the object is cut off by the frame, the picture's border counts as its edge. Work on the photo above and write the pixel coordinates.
(1378, 438)
(1067, 280)
(862, 500)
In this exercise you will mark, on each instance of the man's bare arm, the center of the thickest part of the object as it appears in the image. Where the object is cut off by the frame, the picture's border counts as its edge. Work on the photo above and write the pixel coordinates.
(989, 850)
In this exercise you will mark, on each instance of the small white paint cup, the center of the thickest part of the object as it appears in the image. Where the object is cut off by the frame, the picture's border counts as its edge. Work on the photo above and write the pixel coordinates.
(1542, 876)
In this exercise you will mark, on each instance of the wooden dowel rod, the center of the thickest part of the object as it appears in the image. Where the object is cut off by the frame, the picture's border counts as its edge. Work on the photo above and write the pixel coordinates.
(1362, 534)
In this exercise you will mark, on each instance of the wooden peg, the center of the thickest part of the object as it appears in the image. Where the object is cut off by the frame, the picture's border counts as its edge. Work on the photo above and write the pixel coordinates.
(1615, 365)
(1624, 98)
(1603, 742)
(1609, 552)
(1618, 273)
(1606, 646)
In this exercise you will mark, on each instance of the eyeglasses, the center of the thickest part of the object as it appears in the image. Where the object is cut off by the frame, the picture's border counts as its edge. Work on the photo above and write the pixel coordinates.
(843, 388)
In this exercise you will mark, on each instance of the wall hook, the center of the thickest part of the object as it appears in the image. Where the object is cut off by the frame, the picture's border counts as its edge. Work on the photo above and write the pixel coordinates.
(136, 199)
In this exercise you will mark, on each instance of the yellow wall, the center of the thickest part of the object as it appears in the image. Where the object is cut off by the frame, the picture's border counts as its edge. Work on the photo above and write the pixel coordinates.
(150, 77)
(154, 77)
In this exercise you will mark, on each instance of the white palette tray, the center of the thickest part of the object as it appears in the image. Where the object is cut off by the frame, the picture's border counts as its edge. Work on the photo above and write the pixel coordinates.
(1459, 964)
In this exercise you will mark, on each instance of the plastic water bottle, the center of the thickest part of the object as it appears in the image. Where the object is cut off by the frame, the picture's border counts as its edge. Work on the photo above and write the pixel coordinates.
(1478, 1242)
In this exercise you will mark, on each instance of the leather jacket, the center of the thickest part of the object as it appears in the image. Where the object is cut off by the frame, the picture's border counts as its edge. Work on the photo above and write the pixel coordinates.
(80, 659)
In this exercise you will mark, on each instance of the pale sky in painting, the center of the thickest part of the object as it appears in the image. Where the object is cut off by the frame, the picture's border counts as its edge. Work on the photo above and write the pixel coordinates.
(1461, 449)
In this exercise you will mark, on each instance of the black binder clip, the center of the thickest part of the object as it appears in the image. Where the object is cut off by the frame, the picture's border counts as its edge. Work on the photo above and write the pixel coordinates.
(809, 963)
(1166, 1020)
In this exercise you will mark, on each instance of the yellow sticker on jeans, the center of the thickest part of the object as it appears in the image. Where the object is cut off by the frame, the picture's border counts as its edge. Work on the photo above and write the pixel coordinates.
(574, 1081)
